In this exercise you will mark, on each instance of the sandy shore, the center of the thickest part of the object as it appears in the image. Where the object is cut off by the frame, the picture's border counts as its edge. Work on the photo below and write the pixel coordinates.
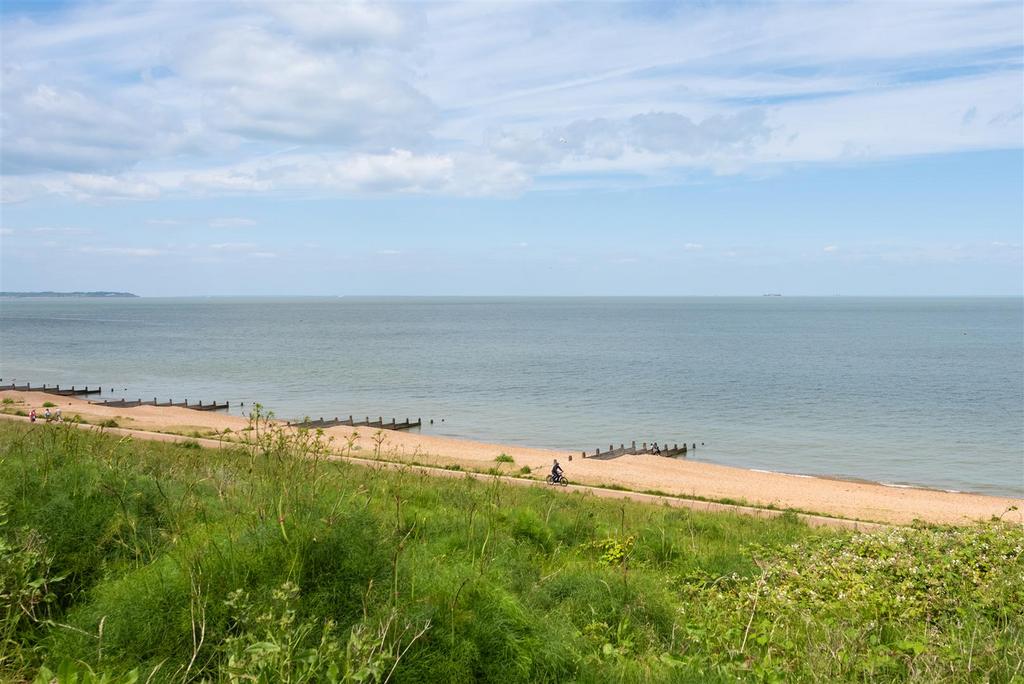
(855, 500)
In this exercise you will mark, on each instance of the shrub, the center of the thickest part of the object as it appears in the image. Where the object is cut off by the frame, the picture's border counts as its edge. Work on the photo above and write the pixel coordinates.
(109, 423)
(26, 593)
(48, 404)
(8, 400)
(504, 458)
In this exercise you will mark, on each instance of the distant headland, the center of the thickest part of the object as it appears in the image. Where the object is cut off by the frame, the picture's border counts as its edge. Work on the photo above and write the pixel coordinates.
(68, 294)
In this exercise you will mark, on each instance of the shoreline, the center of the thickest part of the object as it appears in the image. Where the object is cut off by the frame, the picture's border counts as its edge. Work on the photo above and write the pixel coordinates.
(639, 474)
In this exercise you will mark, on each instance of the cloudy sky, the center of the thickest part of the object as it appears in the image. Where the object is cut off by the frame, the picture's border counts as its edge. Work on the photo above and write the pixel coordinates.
(194, 148)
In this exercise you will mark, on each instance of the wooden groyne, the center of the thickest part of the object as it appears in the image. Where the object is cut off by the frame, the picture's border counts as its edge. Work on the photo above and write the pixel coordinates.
(351, 422)
(73, 391)
(127, 403)
(622, 450)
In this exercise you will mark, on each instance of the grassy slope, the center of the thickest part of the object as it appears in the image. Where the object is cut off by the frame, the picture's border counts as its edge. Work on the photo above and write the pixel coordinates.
(267, 561)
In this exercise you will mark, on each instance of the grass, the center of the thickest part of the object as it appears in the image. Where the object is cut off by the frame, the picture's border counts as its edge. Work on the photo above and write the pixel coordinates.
(504, 458)
(48, 404)
(265, 562)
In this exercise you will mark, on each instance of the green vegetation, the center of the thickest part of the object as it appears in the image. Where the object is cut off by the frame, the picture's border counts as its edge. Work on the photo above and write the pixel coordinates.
(109, 423)
(48, 404)
(126, 561)
(8, 401)
(504, 458)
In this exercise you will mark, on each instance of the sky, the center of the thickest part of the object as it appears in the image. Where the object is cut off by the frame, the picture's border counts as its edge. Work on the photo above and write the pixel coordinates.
(191, 148)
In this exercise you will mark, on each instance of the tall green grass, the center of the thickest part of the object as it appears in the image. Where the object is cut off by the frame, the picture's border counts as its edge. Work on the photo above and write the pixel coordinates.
(266, 562)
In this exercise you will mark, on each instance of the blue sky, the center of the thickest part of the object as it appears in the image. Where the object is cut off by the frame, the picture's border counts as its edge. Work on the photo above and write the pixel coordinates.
(187, 148)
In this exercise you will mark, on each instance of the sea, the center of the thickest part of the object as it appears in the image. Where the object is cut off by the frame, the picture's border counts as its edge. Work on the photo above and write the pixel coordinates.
(904, 391)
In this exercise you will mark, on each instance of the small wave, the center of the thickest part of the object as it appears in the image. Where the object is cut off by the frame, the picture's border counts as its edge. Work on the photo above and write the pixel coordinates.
(776, 472)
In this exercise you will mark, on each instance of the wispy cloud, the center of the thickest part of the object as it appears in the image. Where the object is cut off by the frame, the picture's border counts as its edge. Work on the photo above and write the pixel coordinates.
(118, 101)
(233, 246)
(122, 251)
(231, 222)
(66, 230)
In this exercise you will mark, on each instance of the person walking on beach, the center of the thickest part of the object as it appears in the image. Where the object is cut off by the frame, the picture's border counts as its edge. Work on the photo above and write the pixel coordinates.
(57, 416)
(47, 415)
(32, 416)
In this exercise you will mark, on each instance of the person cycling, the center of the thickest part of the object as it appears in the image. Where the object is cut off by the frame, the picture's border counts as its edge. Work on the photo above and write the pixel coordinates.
(556, 471)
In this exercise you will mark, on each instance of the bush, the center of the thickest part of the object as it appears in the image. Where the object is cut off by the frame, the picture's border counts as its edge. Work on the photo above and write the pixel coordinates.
(109, 423)
(48, 404)
(504, 458)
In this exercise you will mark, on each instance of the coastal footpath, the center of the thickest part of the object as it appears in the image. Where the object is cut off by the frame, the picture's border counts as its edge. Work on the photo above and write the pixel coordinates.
(642, 475)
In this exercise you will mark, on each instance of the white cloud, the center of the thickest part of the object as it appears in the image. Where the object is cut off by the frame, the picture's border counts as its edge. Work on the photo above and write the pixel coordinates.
(345, 23)
(830, 248)
(233, 246)
(63, 230)
(139, 100)
(122, 251)
(264, 86)
(693, 247)
(6, 231)
(231, 222)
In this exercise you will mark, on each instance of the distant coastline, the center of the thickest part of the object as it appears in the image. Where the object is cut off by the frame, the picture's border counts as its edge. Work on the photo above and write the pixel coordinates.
(49, 294)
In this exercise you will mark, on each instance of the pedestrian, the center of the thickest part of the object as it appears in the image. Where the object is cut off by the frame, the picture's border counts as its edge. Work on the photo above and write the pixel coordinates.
(32, 416)
(47, 415)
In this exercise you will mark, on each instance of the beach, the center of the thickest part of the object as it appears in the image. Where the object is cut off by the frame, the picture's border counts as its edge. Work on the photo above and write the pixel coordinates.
(853, 500)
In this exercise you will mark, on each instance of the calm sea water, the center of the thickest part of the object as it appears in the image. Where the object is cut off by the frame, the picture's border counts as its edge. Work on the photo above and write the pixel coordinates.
(913, 391)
